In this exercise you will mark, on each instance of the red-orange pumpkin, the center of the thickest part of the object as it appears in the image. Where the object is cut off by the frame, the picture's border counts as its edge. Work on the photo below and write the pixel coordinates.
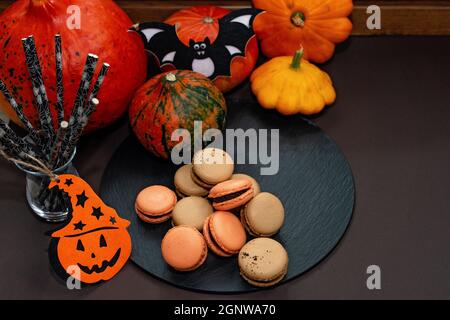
(199, 22)
(171, 101)
(317, 25)
(103, 32)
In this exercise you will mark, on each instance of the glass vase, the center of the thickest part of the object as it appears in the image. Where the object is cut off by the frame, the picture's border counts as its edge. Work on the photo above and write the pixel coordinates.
(49, 205)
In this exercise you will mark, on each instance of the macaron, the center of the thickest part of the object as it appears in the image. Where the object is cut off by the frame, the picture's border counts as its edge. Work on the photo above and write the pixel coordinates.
(263, 216)
(155, 204)
(184, 248)
(263, 262)
(184, 184)
(211, 166)
(224, 233)
(231, 194)
(256, 187)
(191, 211)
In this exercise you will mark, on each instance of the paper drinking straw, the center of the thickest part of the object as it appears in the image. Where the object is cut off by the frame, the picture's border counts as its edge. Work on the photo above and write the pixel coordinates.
(58, 143)
(76, 132)
(17, 144)
(59, 79)
(97, 86)
(78, 112)
(9, 148)
(85, 84)
(98, 83)
(19, 111)
(39, 91)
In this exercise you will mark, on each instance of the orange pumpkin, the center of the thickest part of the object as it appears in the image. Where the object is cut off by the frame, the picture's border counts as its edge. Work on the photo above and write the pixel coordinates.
(95, 242)
(172, 101)
(317, 25)
(103, 32)
(199, 22)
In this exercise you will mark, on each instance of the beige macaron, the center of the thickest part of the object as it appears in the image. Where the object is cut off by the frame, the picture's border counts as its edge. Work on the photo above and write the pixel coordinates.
(263, 262)
(263, 216)
(256, 187)
(191, 211)
(184, 184)
(211, 166)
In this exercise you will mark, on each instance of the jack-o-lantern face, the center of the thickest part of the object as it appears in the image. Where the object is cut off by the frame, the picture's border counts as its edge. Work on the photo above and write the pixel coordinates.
(95, 244)
(99, 255)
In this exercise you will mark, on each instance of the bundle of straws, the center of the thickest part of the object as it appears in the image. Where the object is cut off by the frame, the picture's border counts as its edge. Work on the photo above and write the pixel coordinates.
(45, 149)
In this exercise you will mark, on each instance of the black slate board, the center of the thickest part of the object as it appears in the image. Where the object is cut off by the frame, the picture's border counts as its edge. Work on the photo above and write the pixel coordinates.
(314, 182)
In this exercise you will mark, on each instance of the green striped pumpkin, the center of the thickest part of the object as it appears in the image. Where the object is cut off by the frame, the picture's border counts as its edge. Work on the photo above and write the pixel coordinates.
(171, 101)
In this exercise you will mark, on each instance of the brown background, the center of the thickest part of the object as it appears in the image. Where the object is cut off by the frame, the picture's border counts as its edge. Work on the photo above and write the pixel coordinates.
(391, 119)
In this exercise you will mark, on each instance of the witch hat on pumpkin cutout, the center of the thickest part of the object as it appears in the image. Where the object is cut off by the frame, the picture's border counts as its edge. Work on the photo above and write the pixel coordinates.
(95, 243)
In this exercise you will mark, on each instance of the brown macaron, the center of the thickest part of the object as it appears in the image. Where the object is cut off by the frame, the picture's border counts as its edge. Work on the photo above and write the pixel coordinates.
(263, 216)
(184, 248)
(224, 233)
(191, 211)
(155, 204)
(211, 166)
(263, 262)
(256, 187)
(184, 184)
(231, 194)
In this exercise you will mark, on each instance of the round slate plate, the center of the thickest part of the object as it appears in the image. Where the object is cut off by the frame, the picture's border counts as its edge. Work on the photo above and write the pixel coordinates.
(314, 182)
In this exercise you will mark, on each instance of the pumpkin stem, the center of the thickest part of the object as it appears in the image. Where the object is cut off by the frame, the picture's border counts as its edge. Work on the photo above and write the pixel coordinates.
(297, 59)
(298, 19)
(171, 77)
(208, 20)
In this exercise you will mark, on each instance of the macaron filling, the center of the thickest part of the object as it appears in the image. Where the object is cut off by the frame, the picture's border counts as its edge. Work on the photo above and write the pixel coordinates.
(181, 194)
(153, 216)
(246, 225)
(250, 229)
(230, 196)
(214, 242)
(211, 242)
(200, 182)
(264, 283)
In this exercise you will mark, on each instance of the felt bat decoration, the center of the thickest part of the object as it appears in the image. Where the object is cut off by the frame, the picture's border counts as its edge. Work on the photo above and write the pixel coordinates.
(95, 244)
(212, 59)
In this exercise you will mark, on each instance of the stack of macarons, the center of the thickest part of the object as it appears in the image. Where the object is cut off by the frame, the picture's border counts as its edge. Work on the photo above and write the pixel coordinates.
(216, 209)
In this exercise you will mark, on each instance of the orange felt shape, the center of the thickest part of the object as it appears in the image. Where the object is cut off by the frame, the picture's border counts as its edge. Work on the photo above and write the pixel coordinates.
(193, 23)
(96, 239)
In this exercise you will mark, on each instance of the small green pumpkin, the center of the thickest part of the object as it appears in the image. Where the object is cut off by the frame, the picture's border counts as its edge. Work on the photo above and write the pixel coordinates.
(171, 101)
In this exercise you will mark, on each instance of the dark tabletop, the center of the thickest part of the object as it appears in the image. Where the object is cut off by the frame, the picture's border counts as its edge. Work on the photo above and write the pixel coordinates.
(392, 121)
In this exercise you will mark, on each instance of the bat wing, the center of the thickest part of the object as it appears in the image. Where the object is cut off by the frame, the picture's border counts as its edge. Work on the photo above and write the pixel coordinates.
(162, 41)
(235, 31)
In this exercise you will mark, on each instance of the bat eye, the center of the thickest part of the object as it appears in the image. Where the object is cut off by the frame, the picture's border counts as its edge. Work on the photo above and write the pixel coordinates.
(203, 46)
(196, 47)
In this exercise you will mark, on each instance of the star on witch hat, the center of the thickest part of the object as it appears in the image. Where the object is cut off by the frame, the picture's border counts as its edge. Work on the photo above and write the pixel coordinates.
(90, 213)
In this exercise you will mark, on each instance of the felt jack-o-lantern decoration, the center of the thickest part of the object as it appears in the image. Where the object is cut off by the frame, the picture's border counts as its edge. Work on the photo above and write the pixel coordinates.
(95, 242)
(209, 40)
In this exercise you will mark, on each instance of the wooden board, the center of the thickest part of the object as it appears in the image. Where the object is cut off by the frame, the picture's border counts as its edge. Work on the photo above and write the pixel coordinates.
(398, 17)
(315, 184)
